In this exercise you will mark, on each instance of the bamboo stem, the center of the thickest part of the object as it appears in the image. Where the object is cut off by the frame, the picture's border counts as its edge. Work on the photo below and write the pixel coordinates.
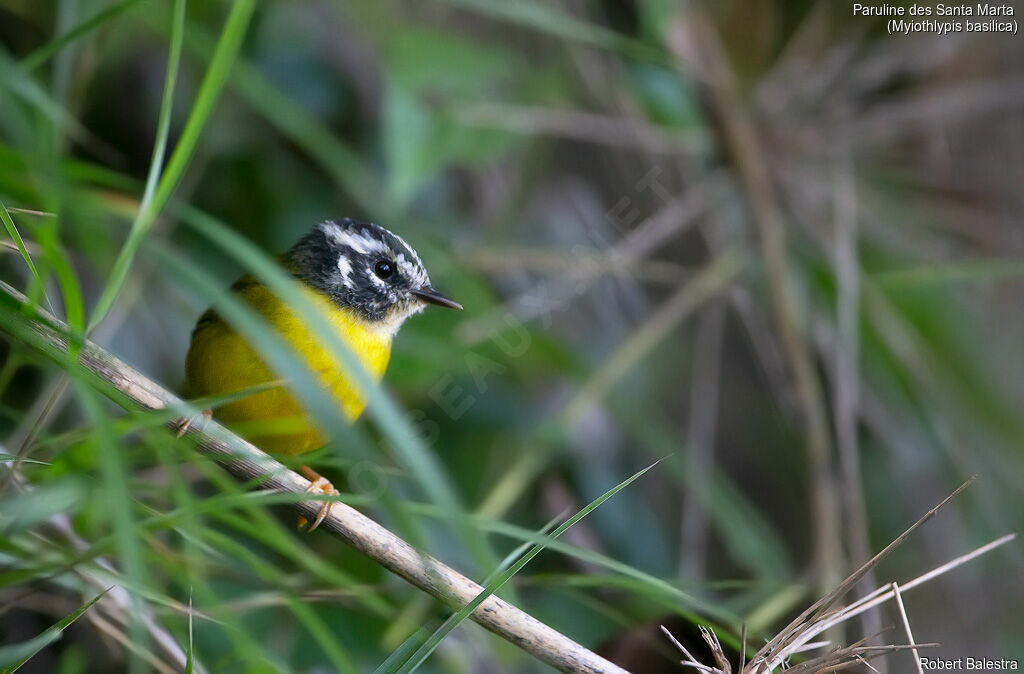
(247, 462)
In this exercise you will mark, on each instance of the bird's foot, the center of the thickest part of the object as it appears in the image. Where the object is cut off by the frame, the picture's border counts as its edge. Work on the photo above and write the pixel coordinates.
(318, 484)
(183, 425)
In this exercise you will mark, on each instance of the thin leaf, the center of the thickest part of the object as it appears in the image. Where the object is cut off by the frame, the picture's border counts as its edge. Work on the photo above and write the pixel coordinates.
(546, 19)
(5, 458)
(12, 231)
(424, 651)
(119, 503)
(22, 653)
(419, 637)
(190, 653)
(42, 54)
(166, 108)
(15, 80)
(340, 659)
(23, 510)
(70, 288)
(953, 272)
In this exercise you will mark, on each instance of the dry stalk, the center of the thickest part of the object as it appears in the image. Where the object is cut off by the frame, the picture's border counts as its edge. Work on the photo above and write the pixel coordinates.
(675, 217)
(798, 637)
(575, 124)
(738, 139)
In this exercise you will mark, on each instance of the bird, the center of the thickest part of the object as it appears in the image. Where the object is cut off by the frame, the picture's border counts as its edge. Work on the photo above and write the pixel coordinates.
(366, 281)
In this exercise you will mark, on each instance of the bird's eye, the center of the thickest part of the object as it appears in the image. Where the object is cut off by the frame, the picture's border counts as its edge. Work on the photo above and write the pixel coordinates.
(383, 269)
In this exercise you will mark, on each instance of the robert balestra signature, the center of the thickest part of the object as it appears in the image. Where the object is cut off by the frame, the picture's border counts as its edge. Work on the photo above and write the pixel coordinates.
(969, 664)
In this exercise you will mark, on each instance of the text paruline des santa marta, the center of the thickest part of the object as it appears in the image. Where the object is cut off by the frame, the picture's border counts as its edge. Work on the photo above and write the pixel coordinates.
(978, 9)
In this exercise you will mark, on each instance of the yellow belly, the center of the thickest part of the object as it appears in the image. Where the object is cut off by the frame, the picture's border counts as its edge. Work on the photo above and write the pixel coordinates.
(220, 361)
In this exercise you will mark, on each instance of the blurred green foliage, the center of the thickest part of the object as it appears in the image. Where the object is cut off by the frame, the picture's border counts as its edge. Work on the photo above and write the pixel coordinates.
(560, 171)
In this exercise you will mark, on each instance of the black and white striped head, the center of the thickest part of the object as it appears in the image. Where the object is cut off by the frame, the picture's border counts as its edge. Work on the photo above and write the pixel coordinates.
(366, 268)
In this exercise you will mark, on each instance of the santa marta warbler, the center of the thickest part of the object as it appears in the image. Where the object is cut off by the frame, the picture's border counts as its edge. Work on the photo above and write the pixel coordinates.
(366, 281)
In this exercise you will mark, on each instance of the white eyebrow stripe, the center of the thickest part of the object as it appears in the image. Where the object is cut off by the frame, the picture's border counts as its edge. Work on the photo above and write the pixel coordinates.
(331, 230)
(361, 242)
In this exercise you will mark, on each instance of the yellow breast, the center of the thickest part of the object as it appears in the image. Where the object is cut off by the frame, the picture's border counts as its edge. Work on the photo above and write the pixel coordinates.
(220, 361)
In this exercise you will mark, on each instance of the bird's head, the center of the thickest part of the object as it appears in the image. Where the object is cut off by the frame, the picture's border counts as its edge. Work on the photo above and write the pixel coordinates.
(364, 267)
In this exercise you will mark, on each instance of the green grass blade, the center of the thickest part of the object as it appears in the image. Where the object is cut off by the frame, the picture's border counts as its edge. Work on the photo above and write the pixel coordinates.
(14, 80)
(24, 510)
(954, 272)
(336, 158)
(424, 651)
(22, 653)
(12, 231)
(520, 550)
(191, 652)
(71, 289)
(115, 476)
(166, 108)
(42, 54)
(405, 651)
(6, 458)
(653, 584)
(546, 19)
(216, 75)
(745, 532)
(340, 659)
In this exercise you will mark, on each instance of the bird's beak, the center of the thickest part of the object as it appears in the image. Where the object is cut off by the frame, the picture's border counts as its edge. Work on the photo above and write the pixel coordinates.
(431, 296)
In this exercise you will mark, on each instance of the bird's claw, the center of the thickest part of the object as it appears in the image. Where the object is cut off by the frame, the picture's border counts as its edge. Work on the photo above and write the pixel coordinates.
(320, 485)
